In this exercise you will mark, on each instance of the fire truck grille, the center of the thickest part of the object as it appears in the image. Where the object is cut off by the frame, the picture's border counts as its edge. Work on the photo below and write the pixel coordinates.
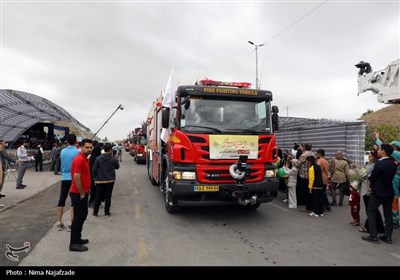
(223, 176)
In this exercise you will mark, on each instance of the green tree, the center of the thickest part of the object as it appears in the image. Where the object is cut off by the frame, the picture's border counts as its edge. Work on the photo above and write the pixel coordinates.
(388, 133)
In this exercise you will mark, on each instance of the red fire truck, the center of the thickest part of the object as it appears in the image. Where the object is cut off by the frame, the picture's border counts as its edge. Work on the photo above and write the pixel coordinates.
(221, 146)
(138, 150)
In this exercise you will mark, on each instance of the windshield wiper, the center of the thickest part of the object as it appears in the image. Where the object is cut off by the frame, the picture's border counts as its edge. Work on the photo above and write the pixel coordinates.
(208, 127)
(243, 130)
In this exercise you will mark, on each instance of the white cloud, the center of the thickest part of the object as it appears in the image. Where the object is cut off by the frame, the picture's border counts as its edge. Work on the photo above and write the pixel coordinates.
(91, 57)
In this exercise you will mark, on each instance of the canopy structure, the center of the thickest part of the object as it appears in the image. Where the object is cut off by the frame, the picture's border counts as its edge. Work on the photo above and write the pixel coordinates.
(330, 135)
(20, 110)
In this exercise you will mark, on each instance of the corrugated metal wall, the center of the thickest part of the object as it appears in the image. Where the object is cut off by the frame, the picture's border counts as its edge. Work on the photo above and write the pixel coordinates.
(348, 137)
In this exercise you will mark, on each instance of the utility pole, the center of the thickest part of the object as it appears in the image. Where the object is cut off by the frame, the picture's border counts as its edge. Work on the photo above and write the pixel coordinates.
(256, 46)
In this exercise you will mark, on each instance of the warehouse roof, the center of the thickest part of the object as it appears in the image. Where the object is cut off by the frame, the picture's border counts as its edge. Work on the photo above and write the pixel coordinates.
(20, 110)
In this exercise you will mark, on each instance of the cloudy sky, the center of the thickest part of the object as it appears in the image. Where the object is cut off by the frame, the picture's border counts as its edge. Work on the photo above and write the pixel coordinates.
(90, 56)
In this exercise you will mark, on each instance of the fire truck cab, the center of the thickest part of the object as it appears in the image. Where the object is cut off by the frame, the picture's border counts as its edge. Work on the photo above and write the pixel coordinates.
(221, 147)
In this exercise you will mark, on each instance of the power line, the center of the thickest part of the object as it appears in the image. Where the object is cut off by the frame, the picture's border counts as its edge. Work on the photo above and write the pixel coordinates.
(294, 23)
(273, 37)
(285, 29)
(322, 99)
(237, 64)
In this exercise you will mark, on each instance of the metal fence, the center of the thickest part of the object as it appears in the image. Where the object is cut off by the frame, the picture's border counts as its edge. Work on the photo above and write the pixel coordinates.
(330, 135)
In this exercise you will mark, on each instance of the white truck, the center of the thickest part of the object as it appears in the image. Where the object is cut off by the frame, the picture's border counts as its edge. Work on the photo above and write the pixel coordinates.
(384, 83)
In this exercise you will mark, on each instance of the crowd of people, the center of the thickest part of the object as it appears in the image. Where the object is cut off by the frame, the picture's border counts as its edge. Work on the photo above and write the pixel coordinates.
(85, 176)
(88, 177)
(308, 177)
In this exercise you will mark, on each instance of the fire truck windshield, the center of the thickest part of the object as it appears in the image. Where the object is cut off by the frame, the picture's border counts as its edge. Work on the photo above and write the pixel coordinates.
(225, 116)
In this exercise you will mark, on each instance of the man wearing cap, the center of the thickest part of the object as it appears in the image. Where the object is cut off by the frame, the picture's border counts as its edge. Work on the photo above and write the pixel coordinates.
(382, 194)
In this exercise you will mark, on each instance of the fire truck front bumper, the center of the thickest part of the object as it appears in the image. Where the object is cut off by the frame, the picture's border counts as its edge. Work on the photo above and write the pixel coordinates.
(193, 193)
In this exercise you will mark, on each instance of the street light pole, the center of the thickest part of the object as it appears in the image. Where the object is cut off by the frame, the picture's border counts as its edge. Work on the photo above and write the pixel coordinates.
(256, 46)
(119, 107)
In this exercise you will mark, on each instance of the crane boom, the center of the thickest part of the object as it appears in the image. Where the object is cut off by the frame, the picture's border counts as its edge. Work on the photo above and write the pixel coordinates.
(384, 83)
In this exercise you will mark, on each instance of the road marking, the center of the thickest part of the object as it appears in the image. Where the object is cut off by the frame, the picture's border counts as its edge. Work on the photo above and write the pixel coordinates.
(276, 206)
(142, 251)
(395, 255)
(137, 211)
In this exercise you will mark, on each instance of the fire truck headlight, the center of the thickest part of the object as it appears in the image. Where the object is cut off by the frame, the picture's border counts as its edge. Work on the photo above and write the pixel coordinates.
(188, 175)
(184, 175)
(269, 173)
(177, 175)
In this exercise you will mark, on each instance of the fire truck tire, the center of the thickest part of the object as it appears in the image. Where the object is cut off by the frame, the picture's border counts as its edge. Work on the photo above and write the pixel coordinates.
(252, 206)
(169, 197)
(153, 182)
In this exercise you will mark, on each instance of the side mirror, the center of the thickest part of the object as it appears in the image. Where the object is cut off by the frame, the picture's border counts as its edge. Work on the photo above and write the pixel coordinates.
(165, 118)
(275, 118)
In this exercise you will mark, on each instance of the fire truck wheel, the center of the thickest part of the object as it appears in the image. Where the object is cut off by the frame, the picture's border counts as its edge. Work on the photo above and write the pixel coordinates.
(169, 197)
(153, 182)
(253, 206)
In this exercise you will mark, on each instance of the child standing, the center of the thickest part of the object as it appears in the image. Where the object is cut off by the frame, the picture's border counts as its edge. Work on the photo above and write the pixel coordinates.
(292, 171)
(354, 200)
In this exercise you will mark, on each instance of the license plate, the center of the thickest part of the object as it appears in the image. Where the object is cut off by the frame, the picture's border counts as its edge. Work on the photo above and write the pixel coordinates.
(206, 188)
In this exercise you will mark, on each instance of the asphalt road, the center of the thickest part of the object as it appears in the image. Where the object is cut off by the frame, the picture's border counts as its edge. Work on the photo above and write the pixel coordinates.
(141, 233)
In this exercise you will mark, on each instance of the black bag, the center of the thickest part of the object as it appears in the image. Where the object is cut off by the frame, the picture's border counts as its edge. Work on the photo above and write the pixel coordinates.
(346, 188)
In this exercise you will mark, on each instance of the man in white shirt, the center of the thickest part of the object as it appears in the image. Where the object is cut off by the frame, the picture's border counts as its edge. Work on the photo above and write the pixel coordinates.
(23, 159)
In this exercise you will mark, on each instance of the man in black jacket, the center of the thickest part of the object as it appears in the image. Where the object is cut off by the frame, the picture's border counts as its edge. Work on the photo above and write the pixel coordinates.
(104, 177)
(382, 194)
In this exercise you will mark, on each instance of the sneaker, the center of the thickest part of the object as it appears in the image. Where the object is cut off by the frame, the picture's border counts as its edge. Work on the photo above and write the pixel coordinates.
(370, 238)
(2, 195)
(77, 248)
(321, 215)
(293, 206)
(312, 214)
(94, 214)
(316, 215)
(285, 200)
(83, 241)
(107, 214)
(333, 203)
(69, 228)
(60, 227)
(1, 206)
(385, 239)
